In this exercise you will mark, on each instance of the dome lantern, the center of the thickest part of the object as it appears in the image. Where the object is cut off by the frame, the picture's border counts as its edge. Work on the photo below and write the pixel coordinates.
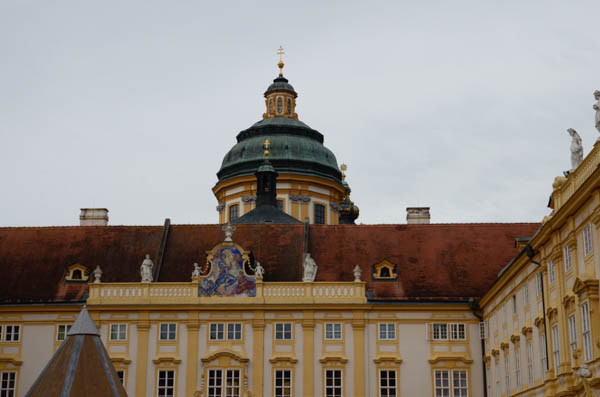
(280, 97)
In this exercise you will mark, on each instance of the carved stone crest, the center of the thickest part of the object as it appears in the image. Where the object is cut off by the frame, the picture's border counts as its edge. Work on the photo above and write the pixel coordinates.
(299, 198)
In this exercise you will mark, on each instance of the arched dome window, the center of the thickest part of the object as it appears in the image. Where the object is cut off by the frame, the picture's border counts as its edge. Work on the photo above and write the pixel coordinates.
(279, 105)
(270, 106)
(289, 107)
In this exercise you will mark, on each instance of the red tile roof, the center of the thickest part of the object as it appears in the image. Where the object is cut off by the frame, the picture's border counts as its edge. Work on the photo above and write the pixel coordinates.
(437, 261)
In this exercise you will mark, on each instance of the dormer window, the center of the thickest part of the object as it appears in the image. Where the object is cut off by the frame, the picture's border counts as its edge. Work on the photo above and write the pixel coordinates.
(279, 105)
(77, 272)
(384, 271)
(289, 107)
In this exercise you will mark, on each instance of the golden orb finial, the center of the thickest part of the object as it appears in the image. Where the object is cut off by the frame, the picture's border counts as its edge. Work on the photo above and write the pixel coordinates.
(266, 147)
(280, 64)
(343, 167)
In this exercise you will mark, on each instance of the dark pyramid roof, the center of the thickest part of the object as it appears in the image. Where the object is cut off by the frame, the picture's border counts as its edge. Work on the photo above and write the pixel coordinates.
(80, 366)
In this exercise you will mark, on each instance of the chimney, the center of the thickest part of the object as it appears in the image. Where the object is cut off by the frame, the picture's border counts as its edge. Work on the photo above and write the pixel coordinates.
(93, 217)
(417, 215)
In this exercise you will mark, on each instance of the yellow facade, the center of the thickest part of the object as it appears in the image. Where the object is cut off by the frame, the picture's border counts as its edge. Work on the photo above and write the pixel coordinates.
(564, 255)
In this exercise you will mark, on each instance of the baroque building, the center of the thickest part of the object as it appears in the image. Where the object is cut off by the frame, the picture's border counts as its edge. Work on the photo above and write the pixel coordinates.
(280, 301)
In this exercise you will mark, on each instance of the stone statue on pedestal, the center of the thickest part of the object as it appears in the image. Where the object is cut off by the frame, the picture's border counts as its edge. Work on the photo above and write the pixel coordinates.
(597, 109)
(259, 271)
(97, 275)
(310, 269)
(146, 269)
(576, 149)
(356, 272)
(196, 272)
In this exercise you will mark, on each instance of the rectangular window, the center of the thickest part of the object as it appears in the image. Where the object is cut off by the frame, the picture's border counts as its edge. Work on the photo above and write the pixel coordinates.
(529, 363)
(12, 333)
(460, 385)
(61, 331)
(217, 331)
(483, 329)
(440, 331)
(543, 356)
(586, 331)
(587, 239)
(166, 383)
(232, 383)
(507, 374)
(333, 331)
(526, 294)
(333, 383)
(280, 205)
(215, 383)
(457, 331)
(8, 384)
(234, 212)
(283, 331)
(283, 383)
(387, 383)
(551, 273)
(319, 214)
(387, 331)
(518, 368)
(514, 303)
(234, 331)
(118, 332)
(121, 375)
(573, 333)
(568, 259)
(555, 348)
(168, 331)
(540, 283)
(442, 383)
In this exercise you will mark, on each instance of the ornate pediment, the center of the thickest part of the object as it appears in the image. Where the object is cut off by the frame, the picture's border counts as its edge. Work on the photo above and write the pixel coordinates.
(586, 285)
(384, 270)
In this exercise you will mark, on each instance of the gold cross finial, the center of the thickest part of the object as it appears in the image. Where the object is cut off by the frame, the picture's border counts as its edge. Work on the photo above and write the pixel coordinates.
(280, 64)
(343, 167)
(266, 147)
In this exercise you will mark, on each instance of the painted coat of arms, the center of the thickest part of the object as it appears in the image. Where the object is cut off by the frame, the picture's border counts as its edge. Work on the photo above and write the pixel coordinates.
(226, 274)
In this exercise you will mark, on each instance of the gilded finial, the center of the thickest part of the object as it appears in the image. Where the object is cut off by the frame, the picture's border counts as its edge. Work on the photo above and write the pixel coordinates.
(266, 147)
(343, 167)
(280, 64)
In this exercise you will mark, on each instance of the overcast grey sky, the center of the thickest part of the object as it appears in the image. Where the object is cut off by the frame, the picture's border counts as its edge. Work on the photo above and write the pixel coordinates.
(462, 106)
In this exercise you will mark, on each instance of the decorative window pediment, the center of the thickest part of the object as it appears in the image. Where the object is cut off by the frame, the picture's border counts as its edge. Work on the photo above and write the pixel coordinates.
(77, 272)
(384, 270)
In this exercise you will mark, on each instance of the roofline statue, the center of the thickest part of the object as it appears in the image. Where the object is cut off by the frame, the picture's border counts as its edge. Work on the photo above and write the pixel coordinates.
(576, 149)
(597, 109)
(309, 267)
(146, 269)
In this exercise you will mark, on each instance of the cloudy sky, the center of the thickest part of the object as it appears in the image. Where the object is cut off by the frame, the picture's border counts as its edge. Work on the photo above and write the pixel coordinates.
(459, 105)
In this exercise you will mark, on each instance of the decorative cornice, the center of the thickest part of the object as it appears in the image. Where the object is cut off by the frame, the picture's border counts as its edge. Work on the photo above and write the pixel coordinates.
(568, 300)
(539, 321)
(283, 359)
(11, 360)
(551, 312)
(336, 359)
(249, 199)
(387, 359)
(121, 360)
(224, 353)
(308, 323)
(358, 324)
(299, 198)
(143, 325)
(258, 324)
(440, 358)
(586, 284)
(166, 359)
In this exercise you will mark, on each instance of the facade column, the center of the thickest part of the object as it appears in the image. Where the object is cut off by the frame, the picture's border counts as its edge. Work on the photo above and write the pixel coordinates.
(192, 357)
(143, 326)
(258, 330)
(308, 354)
(358, 328)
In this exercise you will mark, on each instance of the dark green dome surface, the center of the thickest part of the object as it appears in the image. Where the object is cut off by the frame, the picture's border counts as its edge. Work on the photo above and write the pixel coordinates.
(294, 148)
(280, 83)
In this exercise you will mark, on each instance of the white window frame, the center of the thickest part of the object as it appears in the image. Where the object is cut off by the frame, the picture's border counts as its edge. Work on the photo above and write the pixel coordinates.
(526, 293)
(216, 331)
(572, 332)
(568, 258)
(539, 278)
(234, 331)
(586, 331)
(214, 384)
(460, 385)
(529, 363)
(283, 331)
(517, 353)
(387, 389)
(231, 389)
(12, 333)
(543, 357)
(441, 385)
(166, 387)
(507, 373)
(387, 331)
(62, 330)
(331, 333)
(555, 348)
(587, 240)
(458, 331)
(335, 389)
(169, 332)
(283, 390)
(439, 331)
(118, 332)
(11, 384)
(551, 272)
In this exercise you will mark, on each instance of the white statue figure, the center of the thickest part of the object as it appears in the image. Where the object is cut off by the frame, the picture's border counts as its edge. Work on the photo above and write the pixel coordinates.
(196, 272)
(584, 374)
(310, 269)
(259, 271)
(576, 149)
(357, 272)
(146, 269)
(97, 275)
(228, 229)
(597, 109)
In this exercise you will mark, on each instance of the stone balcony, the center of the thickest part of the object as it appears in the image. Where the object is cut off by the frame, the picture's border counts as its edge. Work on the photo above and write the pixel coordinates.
(269, 293)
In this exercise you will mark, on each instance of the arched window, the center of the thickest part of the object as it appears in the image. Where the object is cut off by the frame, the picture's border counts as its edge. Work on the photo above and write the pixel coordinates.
(289, 107)
(234, 212)
(279, 105)
(270, 106)
(76, 275)
(319, 214)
